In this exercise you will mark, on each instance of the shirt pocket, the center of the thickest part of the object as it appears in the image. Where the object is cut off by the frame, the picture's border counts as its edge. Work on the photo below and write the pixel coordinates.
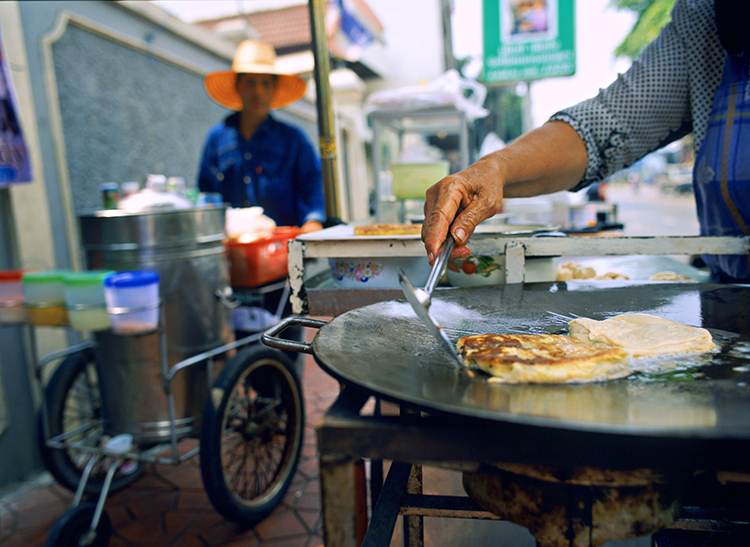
(273, 179)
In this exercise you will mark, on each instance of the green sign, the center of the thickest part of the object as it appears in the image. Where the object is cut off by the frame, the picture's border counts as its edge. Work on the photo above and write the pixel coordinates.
(527, 40)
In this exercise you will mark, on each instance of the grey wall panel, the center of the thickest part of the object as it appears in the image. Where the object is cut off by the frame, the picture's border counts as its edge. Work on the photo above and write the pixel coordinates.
(126, 114)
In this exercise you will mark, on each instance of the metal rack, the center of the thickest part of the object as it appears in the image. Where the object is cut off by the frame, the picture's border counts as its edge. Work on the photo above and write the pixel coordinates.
(437, 121)
(312, 292)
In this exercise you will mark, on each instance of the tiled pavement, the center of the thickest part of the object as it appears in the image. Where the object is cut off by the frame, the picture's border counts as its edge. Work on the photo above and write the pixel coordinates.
(168, 506)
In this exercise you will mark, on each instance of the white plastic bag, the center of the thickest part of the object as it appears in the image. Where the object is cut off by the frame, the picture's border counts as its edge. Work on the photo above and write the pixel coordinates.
(450, 89)
(150, 200)
(491, 143)
(248, 224)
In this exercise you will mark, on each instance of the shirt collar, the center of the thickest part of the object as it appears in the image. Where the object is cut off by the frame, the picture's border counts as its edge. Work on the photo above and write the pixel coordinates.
(233, 121)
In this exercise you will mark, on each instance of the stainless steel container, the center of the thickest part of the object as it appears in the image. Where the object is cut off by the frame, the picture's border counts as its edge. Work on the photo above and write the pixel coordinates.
(185, 247)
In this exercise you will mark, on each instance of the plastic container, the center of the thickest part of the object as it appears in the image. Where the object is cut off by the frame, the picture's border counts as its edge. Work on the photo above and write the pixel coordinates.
(45, 297)
(261, 261)
(110, 195)
(84, 298)
(411, 180)
(132, 299)
(12, 308)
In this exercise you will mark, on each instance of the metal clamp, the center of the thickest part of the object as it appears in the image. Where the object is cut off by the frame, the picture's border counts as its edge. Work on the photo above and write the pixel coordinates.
(225, 297)
(269, 337)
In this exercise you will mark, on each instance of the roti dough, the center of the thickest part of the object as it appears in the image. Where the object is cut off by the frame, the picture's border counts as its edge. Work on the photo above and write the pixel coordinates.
(642, 334)
(541, 358)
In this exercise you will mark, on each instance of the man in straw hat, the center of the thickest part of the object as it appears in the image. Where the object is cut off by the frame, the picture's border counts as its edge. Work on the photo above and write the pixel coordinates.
(252, 158)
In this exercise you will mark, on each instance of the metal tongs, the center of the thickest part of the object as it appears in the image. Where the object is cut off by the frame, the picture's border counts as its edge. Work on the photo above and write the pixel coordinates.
(420, 299)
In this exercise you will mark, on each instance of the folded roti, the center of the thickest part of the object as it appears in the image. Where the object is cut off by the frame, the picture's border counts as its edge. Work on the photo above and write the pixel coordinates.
(388, 229)
(541, 358)
(642, 334)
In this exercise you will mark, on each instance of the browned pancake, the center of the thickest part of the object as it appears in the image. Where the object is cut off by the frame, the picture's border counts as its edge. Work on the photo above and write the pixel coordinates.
(541, 358)
(388, 229)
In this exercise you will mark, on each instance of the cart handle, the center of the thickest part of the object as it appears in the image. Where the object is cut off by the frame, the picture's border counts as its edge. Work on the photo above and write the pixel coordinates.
(269, 337)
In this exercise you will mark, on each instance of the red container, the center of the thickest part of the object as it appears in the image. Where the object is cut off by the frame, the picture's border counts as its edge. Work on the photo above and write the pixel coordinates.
(261, 261)
(12, 300)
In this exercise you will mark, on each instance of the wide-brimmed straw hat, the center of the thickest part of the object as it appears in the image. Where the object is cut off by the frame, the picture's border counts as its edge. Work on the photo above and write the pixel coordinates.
(253, 57)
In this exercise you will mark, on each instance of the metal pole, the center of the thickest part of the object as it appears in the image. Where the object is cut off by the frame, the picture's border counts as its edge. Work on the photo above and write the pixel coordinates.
(449, 62)
(526, 112)
(325, 111)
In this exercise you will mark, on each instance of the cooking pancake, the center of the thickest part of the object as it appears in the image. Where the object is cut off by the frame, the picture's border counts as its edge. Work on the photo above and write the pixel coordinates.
(642, 334)
(541, 358)
(388, 229)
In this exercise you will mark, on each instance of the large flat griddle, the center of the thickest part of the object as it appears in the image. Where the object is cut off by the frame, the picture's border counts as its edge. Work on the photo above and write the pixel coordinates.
(384, 349)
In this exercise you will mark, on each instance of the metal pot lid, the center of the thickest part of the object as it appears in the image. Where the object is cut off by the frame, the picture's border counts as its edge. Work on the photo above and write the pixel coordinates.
(384, 348)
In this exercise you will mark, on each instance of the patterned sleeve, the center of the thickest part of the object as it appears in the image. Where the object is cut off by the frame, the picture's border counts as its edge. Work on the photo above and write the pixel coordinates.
(644, 109)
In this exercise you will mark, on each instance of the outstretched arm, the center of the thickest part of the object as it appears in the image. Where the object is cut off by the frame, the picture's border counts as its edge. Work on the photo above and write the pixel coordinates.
(548, 159)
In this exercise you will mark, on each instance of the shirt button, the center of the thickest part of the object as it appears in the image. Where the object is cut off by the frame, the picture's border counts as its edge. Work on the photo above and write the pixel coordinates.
(248, 155)
(219, 176)
(247, 180)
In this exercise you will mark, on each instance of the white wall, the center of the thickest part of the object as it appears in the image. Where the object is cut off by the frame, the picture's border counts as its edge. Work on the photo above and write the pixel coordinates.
(413, 50)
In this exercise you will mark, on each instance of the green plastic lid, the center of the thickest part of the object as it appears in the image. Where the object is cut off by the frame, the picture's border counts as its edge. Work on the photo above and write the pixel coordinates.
(46, 276)
(92, 277)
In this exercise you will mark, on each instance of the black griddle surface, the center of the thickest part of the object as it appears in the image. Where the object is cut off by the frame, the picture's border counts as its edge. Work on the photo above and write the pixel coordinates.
(384, 349)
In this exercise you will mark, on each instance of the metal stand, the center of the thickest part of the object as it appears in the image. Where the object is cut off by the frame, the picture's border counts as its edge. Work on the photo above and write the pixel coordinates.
(412, 440)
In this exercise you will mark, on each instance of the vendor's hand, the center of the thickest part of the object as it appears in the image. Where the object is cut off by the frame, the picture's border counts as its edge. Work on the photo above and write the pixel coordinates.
(311, 226)
(458, 203)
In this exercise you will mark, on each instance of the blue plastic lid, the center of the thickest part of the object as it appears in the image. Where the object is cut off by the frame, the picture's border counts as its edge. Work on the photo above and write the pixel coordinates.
(135, 278)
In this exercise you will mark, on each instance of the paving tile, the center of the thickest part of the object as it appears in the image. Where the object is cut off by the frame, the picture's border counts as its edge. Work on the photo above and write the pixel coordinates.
(188, 541)
(182, 475)
(225, 531)
(44, 514)
(116, 541)
(168, 506)
(153, 481)
(311, 519)
(296, 541)
(146, 507)
(44, 496)
(176, 522)
(280, 524)
(143, 532)
(193, 501)
(119, 515)
(243, 542)
(36, 537)
(208, 518)
(8, 519)
(308, 501)
(308, 468)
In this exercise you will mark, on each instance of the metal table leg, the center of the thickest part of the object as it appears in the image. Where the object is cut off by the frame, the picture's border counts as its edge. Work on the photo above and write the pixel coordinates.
(338, 493)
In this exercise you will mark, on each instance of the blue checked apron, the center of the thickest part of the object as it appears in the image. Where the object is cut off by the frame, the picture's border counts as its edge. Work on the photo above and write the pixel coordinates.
(721, 176)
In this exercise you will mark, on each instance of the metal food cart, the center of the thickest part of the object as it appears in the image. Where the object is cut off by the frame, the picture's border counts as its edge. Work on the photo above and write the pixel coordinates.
(120, 401)
(690, 429)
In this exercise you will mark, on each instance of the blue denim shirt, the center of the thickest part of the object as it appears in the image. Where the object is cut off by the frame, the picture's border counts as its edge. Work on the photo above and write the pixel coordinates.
(277, 169)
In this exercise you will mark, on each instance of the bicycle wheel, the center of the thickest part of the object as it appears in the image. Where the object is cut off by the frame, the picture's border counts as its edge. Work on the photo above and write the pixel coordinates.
(251, 434)
(73, 527)
(74, 401)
